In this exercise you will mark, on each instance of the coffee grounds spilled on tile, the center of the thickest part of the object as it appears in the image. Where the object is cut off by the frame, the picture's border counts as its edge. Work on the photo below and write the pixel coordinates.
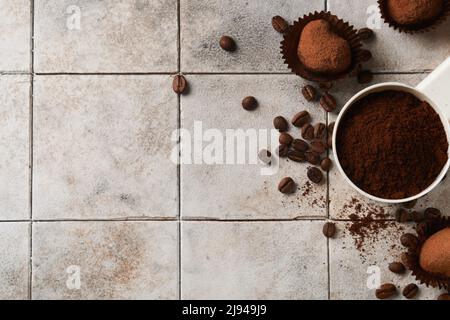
(392, 145)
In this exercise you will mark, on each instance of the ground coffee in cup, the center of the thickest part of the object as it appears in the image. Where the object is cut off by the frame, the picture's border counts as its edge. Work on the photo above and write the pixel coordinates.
(391, 144)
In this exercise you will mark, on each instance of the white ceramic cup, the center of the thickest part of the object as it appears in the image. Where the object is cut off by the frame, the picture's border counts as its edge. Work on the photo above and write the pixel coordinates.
(435, 90)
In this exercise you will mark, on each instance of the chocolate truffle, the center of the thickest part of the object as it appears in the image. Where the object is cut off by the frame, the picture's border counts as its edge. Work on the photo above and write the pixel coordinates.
(435, 253)
(323, 51)
(411, 12)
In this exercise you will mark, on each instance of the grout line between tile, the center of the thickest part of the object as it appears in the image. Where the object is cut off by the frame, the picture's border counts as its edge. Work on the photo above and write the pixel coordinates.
(31, 104)
(179, 152)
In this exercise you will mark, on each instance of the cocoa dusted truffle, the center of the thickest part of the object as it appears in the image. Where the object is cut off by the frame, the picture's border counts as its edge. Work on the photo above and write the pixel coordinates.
(412, 12)
(435, 253)
(323, 51)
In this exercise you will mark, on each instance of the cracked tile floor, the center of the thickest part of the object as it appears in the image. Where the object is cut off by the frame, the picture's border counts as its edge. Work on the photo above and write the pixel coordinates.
(87, 186)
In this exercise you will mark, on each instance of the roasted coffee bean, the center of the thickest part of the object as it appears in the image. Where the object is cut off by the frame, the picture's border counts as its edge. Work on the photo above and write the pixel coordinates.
(279, 24)
(179, 84)
(409, 240)
(365, 76)
(280, 123)
(309, 92)
(315, 175)
(421, 228)
(444, 297)
(283, 150)
(407, 260)
(301, 119)
(326, 86)
(432, 213)
(397, 267)
(285, 138)
(328, 102)
(320, 131)
(265, 156)
(385, 291)
(326, 164)
(296, 156)
(329, 229)
(365, 33)
(366, 55)
(318, 146)
(410, 291)
(287, 185)
(417, 216)
(300, 145)
(402, 215)
(410, 204)
(307, 132)
(249, 103)
(227, 43)
(312, 157)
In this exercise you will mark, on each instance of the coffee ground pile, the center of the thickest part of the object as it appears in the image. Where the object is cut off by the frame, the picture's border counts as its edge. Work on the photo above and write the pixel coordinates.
(391, 144)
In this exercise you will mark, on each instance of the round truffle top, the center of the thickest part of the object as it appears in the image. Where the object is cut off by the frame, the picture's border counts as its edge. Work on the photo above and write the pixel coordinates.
(435, 253)
(411, 12)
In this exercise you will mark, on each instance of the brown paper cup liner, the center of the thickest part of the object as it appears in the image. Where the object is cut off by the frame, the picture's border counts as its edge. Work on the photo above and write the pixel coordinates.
(291, 39)
(411, 258)
(416, 28)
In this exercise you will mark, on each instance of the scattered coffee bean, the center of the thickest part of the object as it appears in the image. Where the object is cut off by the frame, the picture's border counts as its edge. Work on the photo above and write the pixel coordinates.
(227, 43)
(417, 216)
(296, 156)
(326, 86)
(301, 119)
(385, 291)
(397, 267)
(432, 213)
(410, 204)
(408, 260)
(307, 132)
(309, 92)
(249, 103)
(286, 185)
(312, 157)
(318, 146)
(179, 84)
(410, 291)
(315, 175)
(283, 150)
(365, 33)
(402, 215)
(409, 240)
(329, 229)
(326, 164)
(279, 24)
(320, 131)
(366, 55)
(280, 123)
(328, 102)
(265, 156)
(421, 228)
(365, 76)
(300, 145)
(444, 297)
(285, 138)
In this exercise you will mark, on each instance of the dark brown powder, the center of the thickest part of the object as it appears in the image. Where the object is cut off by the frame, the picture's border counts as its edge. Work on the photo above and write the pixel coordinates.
(391, 144)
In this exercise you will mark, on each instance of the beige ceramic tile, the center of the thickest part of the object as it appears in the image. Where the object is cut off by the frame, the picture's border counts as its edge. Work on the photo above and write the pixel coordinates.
(14, 147)
(254, 260)
(114, 260)
(203, 22)
(240, 191)
(106, 36)
(15, 261)
(392, 50)
(15, 31)
(102, 147)
(353, 271)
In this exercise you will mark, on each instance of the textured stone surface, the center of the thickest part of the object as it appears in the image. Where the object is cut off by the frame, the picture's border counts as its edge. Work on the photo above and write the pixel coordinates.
(240, 191)
(102, 147)
(115, 260)
(113, 36)
(14, 264)
(253, 260)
